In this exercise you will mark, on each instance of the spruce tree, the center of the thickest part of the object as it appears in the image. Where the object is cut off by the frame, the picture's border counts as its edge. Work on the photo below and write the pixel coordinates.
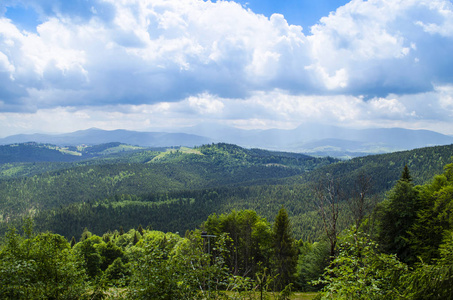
(285, 251)
(406, 176)
(136, 239)
(434, 219)
(399, 212)
(140, 229)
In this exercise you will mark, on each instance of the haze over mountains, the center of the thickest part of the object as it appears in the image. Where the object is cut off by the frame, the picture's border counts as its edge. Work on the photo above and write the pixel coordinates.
(94, 136)
(313, 139)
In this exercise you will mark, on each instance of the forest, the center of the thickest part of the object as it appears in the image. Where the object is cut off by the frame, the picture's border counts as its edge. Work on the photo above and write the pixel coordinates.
(223, 222)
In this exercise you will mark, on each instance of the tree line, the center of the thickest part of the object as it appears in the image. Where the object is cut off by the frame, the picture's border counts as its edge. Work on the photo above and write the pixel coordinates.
(400, 248)
(242, 254)
(403, 250)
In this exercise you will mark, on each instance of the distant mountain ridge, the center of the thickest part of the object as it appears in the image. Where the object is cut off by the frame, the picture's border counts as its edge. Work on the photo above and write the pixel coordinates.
(316, 139)
(95, 136)
(313, 139)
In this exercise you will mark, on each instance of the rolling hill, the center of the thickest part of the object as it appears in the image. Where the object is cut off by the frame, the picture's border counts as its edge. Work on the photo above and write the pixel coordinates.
(323, 140)
(176, 189)
(312, 139)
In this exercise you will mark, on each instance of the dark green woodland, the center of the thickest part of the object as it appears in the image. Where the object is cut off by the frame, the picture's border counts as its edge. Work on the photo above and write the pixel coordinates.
(220, 221)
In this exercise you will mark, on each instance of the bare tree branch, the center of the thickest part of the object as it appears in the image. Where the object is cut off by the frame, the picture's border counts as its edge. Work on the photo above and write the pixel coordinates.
(328, 196)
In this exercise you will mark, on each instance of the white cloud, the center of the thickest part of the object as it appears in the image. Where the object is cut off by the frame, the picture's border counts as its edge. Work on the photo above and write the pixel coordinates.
(388, 107)
(150, 62)
(5, 64)
(444, 11)
(206, 104)
(446, 98)
(339, 78)
(153, 51)
(261, 110)
(374, 44)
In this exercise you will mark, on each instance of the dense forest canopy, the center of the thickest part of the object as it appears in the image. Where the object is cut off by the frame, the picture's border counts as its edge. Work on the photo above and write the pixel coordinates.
(279, 221)
(241, 255)
(112, 186)
(176, 189)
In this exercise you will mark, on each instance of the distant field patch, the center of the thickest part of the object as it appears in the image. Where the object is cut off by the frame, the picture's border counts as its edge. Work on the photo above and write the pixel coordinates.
(182, 150)
(67, 151)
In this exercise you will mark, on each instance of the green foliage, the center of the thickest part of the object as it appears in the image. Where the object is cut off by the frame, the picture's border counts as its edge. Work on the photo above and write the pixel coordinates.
(43, 267)
(235, 190)
(109, 252)
(434, 216)
(286, 292)
(49, 192)
(360, 272)
(181, 190)
(313, 259)
(248, 242)
(433, 281)
(91, 259)
(175, 268)
(33, 152)
(285, 251)
(397, 216)
(117, 272)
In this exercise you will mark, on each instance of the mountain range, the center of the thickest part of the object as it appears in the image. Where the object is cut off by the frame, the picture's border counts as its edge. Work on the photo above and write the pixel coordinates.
(95, 136)
(313, 139)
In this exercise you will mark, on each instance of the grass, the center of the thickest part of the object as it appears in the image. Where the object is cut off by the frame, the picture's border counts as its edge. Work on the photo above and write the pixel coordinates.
(273, 296)
(184, 150)
(304, 296)
(119, 293)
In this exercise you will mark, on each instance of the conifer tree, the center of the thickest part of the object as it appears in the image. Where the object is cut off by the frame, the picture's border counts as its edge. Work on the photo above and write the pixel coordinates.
(406, 176)
(140, 229)
(285, 251)
(399, 212)
(434, 219)
(136, 239)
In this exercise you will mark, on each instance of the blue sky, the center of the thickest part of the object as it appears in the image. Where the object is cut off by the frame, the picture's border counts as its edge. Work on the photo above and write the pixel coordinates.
(166, 64)
(305, 13)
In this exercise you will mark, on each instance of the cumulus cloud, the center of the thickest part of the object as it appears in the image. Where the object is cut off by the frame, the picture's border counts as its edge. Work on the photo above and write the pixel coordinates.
(383, 47)
(187, 59)
(277, 108)
(150, 51)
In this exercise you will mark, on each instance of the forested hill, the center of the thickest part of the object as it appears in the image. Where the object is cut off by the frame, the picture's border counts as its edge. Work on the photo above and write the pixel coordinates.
(177, 189)
(26, 159)
(38, 152)
(385, 169)
(36, 186)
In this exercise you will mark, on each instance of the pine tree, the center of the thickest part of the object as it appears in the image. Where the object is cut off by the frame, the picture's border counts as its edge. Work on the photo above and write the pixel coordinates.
(399, 212)
(136, 239)
(140, 229)
(285, 251)
(434, 217)
(406, 176)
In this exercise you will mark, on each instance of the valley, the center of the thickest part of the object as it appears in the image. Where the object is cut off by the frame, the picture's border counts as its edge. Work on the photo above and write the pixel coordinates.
(127, 211)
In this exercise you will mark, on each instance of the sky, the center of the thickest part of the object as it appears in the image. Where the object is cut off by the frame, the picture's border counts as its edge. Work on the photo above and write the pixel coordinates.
(152, 65)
